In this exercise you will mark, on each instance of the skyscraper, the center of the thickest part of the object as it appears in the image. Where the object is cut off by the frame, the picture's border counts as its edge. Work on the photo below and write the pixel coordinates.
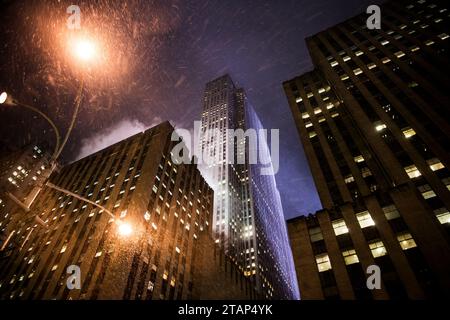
(20, 171)
(373, 120)
(145, 242)
(248, 217)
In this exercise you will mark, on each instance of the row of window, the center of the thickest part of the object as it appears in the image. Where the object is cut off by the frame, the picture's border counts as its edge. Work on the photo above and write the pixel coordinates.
(377, 249)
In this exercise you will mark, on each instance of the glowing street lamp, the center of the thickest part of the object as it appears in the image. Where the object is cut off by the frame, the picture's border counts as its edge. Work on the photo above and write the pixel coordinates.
(83, 49)
(125, 229)
(3, 97)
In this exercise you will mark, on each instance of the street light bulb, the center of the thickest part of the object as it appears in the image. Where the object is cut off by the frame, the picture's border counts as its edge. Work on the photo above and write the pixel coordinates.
(125, 229)
(85, 49)
(3, 97)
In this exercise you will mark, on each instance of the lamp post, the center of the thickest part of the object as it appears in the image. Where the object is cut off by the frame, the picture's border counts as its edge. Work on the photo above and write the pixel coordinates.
(85, 51)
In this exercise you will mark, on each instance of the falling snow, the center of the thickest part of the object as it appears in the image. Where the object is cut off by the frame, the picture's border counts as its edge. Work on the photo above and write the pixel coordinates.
(155, 57)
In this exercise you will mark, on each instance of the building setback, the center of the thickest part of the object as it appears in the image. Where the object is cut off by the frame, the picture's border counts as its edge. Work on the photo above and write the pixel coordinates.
(248, 218)
(150, 251)
(373, 120)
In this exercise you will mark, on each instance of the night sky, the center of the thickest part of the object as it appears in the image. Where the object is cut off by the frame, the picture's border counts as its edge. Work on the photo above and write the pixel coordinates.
(156, 58)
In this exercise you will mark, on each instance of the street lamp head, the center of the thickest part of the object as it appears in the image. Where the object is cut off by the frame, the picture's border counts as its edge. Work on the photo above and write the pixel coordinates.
(125, 229)
(7, 99)
(3, 97)
(84, 49)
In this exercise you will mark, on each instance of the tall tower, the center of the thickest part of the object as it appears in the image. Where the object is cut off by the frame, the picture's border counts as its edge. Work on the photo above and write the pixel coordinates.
(247, 216)
(373, 121)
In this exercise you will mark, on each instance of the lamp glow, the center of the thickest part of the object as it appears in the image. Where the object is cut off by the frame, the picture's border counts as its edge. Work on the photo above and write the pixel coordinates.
(125, 229)
(84, 49)
(3, 97)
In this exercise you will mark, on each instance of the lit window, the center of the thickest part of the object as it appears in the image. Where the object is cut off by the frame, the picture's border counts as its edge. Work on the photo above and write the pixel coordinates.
(339, 227)
(299, 99)
(429, 42)
(408, 132)
(308, 124)
(305, 115)
(334, 63)
(359, 159)
(435, 164)
(406, 241)
(412, 171)
(426, 191)
(315, 234)
(365, 172)
(54, 267)
(323, 262)
(399, 54)
(312, 134)
(63, 249)
(349, 179)
(391, 212)
(446, 181)
(350, 257)
(147, 216)
(357, 71)
(443, 36)
(365, 219)
(377, 249)
(380, 126)
(385, 60)
(443, 215)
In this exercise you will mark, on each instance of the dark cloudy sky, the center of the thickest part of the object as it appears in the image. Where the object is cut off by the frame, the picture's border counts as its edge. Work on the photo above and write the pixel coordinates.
(160, 55)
